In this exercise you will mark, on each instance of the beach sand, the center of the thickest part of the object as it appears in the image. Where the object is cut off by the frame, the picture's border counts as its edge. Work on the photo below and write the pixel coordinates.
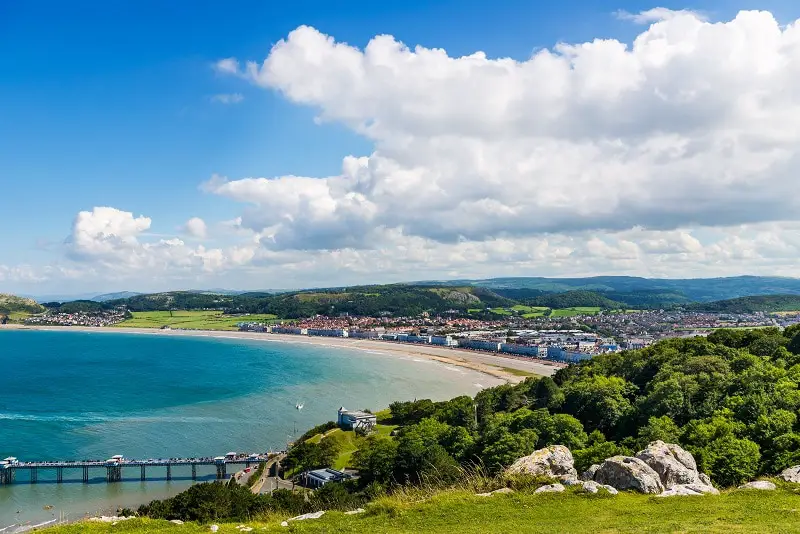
(492, 364)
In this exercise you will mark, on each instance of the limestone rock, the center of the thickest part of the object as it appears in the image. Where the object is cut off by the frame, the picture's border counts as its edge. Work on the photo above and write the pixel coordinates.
(590, 486)
(674, 465)
(312, 515)
(176, 521)
(626, 472)
(689, 490)
(354, 512)
(589, 473)
(495, 492)
(791, 474)
(214, 528)
(758, 485)
(550, 488)
(704, 479)
(554, 461)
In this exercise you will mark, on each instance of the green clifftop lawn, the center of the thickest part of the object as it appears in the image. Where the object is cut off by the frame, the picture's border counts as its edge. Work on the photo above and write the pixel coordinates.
(462, 512)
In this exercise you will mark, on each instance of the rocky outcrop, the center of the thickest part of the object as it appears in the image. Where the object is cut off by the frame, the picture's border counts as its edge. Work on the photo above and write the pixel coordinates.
(704, 479)
(550, 488)
(589, 473)
(554, 461)
(791, 474)
(626, 472)
(689, 490)
(590, 486)
(758, 485)
(674, 465)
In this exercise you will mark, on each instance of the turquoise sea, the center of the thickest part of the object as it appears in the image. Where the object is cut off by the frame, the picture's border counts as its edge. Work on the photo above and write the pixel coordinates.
(90, 395)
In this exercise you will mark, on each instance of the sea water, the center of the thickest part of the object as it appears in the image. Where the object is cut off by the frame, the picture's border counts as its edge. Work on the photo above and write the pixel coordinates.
(73, 395)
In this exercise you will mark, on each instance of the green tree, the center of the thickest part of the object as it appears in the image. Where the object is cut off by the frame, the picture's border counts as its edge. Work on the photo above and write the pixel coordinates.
(659, 428)
(506, 448)
(375, 459)
(599, 402)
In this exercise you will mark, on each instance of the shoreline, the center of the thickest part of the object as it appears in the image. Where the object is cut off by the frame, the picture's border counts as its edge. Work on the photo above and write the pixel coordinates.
(483, 362)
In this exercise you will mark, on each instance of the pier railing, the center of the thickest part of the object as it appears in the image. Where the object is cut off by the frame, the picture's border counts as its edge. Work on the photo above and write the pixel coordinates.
(10, 467)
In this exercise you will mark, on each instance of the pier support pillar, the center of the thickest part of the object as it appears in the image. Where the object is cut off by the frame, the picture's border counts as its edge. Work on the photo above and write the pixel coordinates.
(221, 472)
(85, 475)
(113, 473)
(169, 471)
(143, 473)
(194, 471)
(7, 476)
(59, 474)
(34, 475)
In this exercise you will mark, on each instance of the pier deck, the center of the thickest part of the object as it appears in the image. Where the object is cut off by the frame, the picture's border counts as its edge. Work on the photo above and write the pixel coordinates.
(114, 466)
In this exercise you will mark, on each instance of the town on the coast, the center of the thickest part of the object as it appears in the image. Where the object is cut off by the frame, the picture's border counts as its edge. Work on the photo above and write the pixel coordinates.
(566, 336)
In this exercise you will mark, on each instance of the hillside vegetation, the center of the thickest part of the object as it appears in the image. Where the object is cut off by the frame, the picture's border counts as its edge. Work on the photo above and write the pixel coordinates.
(759, 303)
(12, 304)
(365, 300)
(731, 400)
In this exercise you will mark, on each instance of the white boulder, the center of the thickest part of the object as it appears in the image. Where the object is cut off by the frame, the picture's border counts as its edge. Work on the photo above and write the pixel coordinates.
(758, 485)
(689, 490)
(791, 474)
(626, 472)
(551, 488)
(674, 465)
(555, 461)
(590, 486)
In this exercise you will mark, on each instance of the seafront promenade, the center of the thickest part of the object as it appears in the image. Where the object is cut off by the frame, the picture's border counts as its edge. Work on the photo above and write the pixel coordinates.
(11, 466)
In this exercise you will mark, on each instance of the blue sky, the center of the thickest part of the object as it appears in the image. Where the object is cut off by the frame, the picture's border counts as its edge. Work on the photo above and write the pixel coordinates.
(112, 104)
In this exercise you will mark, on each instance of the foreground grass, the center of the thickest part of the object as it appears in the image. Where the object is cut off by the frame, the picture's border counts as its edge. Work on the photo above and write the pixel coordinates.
(462, 512)
(196, 320)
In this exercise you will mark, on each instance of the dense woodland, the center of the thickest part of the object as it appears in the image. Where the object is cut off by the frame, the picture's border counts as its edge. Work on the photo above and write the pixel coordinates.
(731, 400)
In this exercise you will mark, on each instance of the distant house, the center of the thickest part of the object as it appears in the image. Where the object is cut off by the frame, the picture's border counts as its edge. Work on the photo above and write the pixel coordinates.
(320, 477)
(356, 420)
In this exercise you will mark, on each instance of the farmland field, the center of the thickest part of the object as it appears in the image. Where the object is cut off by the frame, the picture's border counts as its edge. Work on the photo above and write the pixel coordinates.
(577, 310)
(193, 320)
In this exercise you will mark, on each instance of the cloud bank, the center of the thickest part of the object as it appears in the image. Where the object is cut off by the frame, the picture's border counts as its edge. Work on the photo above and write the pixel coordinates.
(672, 155)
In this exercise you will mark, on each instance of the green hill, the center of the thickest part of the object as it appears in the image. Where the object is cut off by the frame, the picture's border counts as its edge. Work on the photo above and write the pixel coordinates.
(12, 304)
(395, 300)
(758, 303)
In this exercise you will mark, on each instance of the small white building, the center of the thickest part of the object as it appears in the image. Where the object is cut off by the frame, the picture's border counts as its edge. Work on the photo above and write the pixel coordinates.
(355, 420)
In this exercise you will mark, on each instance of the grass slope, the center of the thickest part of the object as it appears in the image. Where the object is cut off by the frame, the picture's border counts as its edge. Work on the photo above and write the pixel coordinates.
(349, 442)
(462, 512)
(12, 304)
(195, 320)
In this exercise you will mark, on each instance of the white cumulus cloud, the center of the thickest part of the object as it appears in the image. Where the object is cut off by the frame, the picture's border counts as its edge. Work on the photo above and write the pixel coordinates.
(694, 124)
(196, 227)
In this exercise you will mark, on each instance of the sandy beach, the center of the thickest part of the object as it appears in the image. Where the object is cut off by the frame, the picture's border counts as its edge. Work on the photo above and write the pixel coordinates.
(484, 362)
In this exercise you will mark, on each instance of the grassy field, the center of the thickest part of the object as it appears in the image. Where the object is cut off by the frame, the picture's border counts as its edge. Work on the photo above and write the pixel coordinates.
(195, 320)
(524, 512)
(18, 317)
(578, 310)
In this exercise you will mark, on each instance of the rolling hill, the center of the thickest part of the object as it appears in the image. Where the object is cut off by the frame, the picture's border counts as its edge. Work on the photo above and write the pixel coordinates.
(13, 304)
